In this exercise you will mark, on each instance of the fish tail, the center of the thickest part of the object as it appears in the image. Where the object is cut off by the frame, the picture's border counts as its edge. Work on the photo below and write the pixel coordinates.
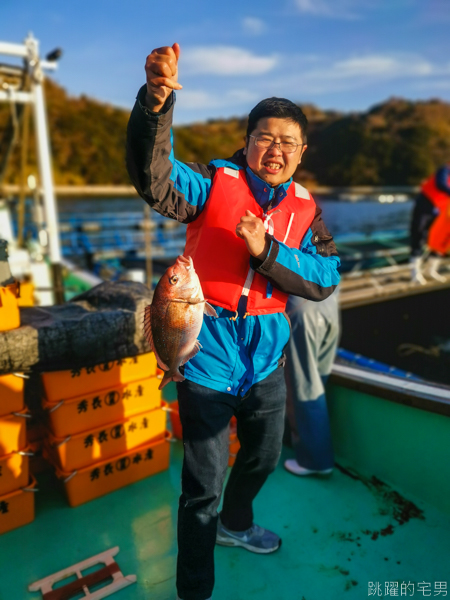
(170, 376)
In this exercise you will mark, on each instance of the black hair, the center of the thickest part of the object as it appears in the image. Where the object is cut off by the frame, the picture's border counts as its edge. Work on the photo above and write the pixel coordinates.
(279, 108)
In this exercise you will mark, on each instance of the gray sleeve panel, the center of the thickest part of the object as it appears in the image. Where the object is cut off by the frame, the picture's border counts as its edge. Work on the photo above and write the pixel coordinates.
(174, 190)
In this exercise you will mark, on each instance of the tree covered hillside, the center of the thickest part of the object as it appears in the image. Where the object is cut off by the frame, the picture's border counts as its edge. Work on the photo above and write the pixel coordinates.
(395, 143)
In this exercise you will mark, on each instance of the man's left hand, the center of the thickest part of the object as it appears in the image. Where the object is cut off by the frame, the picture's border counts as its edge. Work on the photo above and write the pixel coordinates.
(251, 230)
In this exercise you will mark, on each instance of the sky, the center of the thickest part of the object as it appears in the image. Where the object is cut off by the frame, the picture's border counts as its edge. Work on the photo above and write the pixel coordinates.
(345, 55)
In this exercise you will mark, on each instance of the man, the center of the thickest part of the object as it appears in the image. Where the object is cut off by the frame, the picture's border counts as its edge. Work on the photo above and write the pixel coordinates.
(430, 226)
(255, 236)
(309, 358)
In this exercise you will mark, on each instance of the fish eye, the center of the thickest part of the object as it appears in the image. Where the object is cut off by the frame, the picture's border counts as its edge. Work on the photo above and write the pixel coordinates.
(173, 279)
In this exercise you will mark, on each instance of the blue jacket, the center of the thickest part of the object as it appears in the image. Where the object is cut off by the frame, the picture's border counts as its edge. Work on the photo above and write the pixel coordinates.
(235, 354)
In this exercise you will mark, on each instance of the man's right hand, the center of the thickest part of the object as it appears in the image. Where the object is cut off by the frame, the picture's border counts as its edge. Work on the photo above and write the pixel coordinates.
(161, 68)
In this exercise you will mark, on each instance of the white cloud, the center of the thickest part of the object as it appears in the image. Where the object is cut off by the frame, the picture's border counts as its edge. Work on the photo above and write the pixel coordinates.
(375, 66)
(433, 84)
(372, 71)
(334, 9)
(196, 99)
(203, 99)
(253, 26)
(225, 61)
(312, 78)
(242, 96)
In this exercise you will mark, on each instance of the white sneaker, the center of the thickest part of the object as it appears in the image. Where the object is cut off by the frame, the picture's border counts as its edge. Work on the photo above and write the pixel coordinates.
(417, 270)
(292, 466)
(433, 266)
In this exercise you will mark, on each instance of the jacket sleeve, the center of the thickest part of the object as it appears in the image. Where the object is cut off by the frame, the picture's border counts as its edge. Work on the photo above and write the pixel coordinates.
(311, 271)
(172, 188)
(443, 179)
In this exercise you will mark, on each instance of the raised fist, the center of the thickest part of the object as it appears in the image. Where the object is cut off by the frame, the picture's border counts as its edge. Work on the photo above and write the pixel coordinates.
(161, 68)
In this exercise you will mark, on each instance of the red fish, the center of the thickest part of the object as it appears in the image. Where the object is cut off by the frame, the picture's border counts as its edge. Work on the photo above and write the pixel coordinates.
(173, 320)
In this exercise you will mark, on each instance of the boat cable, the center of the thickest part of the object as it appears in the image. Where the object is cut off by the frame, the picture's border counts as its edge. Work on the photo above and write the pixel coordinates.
(409, 349)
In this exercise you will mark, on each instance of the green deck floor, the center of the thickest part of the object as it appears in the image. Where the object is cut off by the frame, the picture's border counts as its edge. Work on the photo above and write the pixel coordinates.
(338, 534)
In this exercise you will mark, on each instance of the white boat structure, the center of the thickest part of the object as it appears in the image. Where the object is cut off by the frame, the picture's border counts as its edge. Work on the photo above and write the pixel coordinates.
(22, 86)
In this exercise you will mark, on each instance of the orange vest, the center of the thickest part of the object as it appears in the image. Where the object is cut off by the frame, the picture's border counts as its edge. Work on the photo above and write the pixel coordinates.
(222, 260)
(439, 234)
(434, 194)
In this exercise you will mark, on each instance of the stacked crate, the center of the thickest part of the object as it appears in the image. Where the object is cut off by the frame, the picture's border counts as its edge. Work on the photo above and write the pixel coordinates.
(106, 426)
(36, 433)
(9, 305)
(177, 431)
(16, 503)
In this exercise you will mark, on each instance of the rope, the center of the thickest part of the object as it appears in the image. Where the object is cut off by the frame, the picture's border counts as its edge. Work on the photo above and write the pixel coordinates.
(409, 349)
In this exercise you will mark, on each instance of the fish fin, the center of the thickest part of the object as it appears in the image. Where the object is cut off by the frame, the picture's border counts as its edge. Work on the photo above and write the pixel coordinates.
(149, 337)
(197, 347)
(168, 377)
(209, 310)
(148, 325)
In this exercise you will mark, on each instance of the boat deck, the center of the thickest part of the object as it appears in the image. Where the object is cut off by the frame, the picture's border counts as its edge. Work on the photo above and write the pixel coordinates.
(360, 287)
(339, 533)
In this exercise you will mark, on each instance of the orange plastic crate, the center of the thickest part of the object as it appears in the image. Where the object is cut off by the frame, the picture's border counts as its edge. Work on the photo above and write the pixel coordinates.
(175, 422)
(109, 475)
(11, 393)
(83, 449)
(36, 430)
(233, 449)
(13, 432)
(234, 446)
(26, 297)
(17, 508)
(13, 472)
(61, 385)
(90, 411)
(38, 463)
(9, 308)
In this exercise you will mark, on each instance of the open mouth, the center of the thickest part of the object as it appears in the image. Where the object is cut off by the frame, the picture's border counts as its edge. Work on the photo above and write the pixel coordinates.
(185, 262)
(272, 167)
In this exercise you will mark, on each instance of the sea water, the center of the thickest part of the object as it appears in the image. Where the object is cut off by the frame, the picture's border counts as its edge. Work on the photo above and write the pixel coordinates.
(117, 222)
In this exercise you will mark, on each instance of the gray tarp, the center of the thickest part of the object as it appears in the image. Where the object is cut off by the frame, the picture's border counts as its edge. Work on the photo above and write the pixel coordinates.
(100, 325)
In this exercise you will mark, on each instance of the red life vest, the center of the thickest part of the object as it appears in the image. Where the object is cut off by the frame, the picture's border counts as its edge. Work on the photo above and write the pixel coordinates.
(222, 260)
(437, 197)
(439, 234)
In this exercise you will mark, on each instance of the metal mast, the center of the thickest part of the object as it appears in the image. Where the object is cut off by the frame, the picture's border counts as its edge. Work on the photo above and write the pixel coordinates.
(29, 51)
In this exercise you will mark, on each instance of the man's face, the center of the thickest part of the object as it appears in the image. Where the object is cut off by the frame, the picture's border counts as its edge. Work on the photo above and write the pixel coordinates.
(273, 165)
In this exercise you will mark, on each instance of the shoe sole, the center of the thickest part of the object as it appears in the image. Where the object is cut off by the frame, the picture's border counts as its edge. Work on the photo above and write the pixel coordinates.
(236, 543)
(319, 473)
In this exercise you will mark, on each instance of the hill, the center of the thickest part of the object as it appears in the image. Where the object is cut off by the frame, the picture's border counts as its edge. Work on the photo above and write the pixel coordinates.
(397, 142)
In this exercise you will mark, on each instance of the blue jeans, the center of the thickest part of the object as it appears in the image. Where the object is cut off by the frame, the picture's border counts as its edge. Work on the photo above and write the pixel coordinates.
(205, 415)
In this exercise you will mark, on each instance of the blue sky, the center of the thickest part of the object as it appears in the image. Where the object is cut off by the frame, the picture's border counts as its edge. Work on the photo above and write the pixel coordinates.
(337, 54)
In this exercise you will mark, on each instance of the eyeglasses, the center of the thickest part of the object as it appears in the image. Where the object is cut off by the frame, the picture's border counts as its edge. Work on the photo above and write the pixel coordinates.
(287, 147)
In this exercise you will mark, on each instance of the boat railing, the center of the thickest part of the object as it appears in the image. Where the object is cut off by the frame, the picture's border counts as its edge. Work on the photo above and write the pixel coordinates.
(360, 287)
(394, 385)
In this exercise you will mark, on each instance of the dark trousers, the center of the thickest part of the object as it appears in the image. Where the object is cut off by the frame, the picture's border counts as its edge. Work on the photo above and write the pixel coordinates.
(424, 213)
(205, 415)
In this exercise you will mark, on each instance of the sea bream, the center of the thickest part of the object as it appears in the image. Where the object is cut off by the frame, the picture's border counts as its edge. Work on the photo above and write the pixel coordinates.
(173, 320)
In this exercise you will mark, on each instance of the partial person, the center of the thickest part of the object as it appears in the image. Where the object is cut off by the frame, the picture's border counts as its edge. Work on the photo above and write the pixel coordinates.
(255, 237)
(430, 226)
(310, 353)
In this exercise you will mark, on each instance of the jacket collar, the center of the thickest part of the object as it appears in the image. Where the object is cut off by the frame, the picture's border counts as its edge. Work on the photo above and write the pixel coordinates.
(265, 195)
